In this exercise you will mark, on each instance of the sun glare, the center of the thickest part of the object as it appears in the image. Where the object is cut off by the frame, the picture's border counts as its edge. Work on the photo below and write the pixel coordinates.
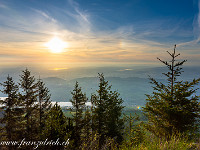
(57, 69)
(56, 45)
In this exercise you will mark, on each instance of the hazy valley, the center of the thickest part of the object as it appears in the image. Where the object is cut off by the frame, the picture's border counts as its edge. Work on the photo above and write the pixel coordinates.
(131, 82)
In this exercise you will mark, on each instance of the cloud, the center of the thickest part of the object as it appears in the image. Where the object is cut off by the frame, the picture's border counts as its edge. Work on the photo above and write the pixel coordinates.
(196, 30)
(3, 6)
(199, 22)
(45, 15)
(26, 33)
(17, 26)
(82, 18)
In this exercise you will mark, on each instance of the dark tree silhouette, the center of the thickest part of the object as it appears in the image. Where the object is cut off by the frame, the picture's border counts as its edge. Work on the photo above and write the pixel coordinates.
(28, 99)
(107, 111)
(78, 102)
(172, 108)
(10, 106)
(44, 104)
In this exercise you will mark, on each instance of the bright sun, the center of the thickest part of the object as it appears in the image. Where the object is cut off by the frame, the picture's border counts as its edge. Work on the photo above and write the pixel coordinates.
(56, 45)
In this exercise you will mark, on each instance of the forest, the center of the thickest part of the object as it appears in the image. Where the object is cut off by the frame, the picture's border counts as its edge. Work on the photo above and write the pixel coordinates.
(168, 121)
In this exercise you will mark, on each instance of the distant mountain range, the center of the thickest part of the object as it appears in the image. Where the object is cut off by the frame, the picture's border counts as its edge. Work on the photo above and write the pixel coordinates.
(131, 82)
(132, 89)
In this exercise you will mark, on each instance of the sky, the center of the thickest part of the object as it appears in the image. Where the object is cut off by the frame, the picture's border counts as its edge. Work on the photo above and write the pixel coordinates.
(97, 32)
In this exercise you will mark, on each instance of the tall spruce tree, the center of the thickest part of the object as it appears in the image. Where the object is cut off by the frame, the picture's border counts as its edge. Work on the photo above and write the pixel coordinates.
(28, 98)
(56, 128)
(99, 110)
(173, 107)
(78, 102)
(107, 111)
(87, 131)
(44, 103)
(11, 111)
(114, 122)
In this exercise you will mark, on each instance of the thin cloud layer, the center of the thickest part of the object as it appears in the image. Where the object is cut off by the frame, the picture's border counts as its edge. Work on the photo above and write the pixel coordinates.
(141, 41)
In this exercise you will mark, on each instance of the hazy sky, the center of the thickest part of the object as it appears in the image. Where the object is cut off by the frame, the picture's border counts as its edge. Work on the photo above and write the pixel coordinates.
(98, 32)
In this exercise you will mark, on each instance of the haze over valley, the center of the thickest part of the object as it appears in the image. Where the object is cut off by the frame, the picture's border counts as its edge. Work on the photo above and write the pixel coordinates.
(131, 82)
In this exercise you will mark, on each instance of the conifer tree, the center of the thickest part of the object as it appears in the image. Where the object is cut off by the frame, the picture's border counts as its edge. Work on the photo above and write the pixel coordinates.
(56, 128)
(107, 112)
(28, 99)
(99, 110)
(134, 133)
(87, 124)
(173, 107)
(78, 102)
(92, 100)
(114, 123)
(44, 103)
(11, 110)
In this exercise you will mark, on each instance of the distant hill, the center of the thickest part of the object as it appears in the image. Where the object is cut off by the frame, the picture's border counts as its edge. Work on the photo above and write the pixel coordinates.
(59, 88)
(131, 82)
(132, 89)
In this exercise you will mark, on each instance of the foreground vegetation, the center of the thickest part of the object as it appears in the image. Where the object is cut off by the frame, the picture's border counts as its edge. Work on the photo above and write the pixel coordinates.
(169, 120)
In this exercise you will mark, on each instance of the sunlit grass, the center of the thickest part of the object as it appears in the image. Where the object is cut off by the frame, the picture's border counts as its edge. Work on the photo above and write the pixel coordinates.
(154, 143)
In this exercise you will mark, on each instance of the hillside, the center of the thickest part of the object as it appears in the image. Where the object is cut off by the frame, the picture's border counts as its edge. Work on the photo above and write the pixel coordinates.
(132, 89)
(131, 82)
